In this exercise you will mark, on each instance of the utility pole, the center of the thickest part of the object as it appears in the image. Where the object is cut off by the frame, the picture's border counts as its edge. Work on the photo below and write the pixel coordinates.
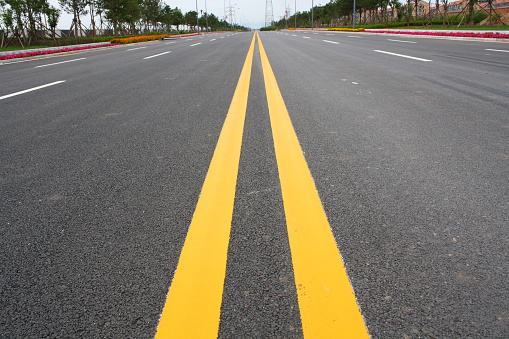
(287, 11)
(197, 17)
(354, 14)
(295, 14)
(312, 15)
(206, 16)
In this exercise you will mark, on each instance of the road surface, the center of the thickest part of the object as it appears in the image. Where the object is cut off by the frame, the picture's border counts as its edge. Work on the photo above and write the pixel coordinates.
(104, 155)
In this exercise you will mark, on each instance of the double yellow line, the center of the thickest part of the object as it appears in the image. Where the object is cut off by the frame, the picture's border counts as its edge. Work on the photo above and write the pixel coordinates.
(326, 300)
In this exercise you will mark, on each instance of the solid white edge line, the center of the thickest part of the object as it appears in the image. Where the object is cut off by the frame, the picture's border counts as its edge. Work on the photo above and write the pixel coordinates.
(31, 89)
(132, 49)
(402, 55)
(195, 44)
(497, 50)
(331, 42)
(61, 62)
(408, 42)
(153, 56)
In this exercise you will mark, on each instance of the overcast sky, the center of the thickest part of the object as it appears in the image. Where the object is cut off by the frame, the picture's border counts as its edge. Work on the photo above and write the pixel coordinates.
(249, 13)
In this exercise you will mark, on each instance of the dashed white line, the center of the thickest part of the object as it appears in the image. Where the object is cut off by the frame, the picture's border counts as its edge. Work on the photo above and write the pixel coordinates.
(153, 56)
(195, 44)
(497, 50)
(132, 49)
(408, 42)
(331, 42)
(61, 62)
(403, 55)
(306, 37)
(353, 36)
(31, 89)
(213, 40)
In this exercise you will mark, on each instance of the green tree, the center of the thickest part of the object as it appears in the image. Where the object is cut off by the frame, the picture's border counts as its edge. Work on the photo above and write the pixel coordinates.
(76, 8)
(177, 18)
(151, 10)
(53, 15)
(190, 19)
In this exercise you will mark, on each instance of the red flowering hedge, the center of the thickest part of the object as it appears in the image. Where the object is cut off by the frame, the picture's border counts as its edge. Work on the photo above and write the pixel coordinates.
(141, 38)
(51, 51)
(346, 29)
(454, 34)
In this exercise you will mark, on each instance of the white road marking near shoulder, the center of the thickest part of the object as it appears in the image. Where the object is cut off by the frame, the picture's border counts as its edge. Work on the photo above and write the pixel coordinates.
(153, 56)
(408, 42)
(57, 63)
(213, 40)
(195, 44)
(132, 49)
(31, 89)
(403, 55)
(306, 37)
(331, 42)
(353, 36)
(497, 50)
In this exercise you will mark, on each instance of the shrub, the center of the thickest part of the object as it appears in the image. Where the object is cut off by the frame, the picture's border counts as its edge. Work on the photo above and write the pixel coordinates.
(141, 38)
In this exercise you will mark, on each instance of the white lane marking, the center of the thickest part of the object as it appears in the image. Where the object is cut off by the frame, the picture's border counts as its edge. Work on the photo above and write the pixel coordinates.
(213, 40)
(61, 62)
(331, 42)
(402, 55)
(353, 36)
(132, 49)
(306, 37)
(329, 34)
(171, 42)
(195, 44)
(408, 42)
(31, 89)
(293, 35)
(497, 50)
(153, 56)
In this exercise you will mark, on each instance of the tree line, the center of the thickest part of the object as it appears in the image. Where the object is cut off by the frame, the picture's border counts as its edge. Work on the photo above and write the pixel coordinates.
(340, 13)
(24, 21)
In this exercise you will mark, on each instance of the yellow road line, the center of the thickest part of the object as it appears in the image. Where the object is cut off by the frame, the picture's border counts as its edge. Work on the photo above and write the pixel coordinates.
(327, 302)
(193, 305)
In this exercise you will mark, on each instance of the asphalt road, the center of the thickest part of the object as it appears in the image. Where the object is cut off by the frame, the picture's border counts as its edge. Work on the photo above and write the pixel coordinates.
(406, 138)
